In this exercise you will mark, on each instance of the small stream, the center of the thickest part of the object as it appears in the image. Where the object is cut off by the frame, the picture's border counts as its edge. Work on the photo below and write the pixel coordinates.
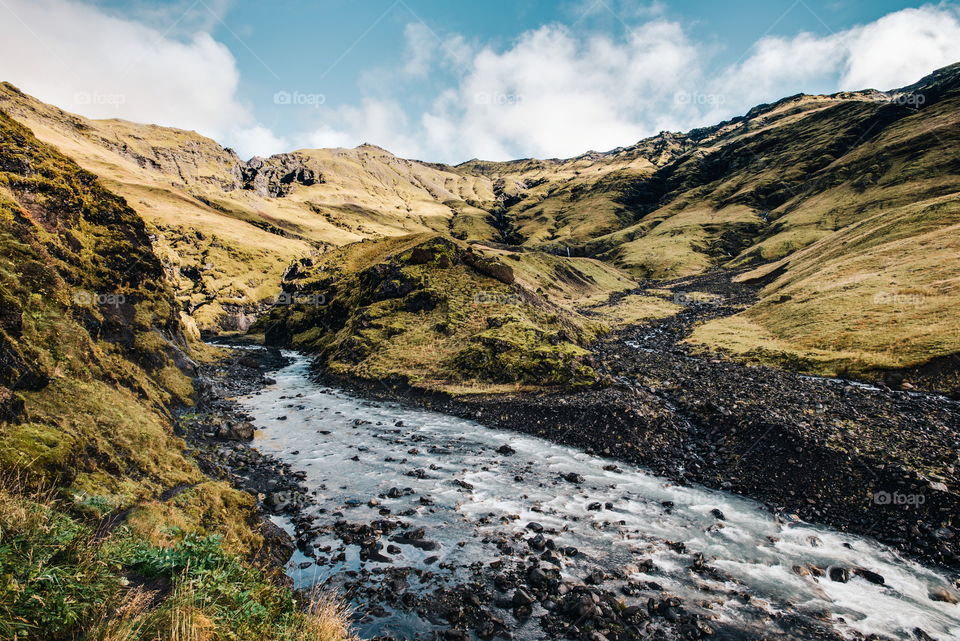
(451, 480)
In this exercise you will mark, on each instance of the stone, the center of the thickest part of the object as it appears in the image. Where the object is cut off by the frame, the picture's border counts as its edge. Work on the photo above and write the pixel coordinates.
(943, 595)
(840, 575)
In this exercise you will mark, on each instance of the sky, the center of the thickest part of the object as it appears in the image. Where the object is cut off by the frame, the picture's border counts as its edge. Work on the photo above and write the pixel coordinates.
(449, 81)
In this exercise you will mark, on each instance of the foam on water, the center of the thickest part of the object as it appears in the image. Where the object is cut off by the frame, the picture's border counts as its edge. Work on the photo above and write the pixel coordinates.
(754, 550)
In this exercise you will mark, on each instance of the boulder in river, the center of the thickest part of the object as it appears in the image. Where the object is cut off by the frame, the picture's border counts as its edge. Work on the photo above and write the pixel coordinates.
(869, 575)
(943, 595)
(840, 575)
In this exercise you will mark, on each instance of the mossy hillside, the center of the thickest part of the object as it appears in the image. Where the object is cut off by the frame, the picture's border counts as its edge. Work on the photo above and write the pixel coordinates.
(573, 283)
(91, 336)
(879, 296)
(876, 291)
(434, 312)
(92, 358)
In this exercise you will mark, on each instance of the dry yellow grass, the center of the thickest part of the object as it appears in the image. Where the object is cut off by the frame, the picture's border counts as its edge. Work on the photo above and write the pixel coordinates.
(882, 293)
(636, 309)
(326, 618)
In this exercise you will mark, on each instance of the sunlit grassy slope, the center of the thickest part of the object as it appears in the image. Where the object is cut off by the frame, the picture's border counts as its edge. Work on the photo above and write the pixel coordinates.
(437, 313)
(797, 181)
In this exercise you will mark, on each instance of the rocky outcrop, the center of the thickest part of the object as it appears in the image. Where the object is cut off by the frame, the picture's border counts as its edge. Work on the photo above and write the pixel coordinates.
(489, 267)
(275, 176)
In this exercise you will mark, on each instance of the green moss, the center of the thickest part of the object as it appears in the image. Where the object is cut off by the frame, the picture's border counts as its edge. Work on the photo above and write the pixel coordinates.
(207, 509)
(43, 451)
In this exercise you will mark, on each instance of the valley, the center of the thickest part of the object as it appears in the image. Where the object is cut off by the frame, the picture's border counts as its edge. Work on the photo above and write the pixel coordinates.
(705, 386)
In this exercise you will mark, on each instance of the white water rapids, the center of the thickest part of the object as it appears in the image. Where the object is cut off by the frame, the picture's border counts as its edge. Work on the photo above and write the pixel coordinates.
(754, 551)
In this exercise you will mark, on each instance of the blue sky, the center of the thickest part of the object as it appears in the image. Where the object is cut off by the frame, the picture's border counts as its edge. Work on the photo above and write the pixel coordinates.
(448, 81)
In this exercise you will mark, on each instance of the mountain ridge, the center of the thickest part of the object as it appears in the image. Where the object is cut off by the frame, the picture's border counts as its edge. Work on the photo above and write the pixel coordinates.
(753, 190)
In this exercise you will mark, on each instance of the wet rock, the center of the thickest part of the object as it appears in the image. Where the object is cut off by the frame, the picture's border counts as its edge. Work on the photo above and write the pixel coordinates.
(573, 477)
(717, 514)
(506, 450)
(236, 431)
(533, 526)
(249, 361)
(840, 575)
(869, 575)
(597, 577)
(595, 507)
(278, 501)
(538, 543)
(943, 595)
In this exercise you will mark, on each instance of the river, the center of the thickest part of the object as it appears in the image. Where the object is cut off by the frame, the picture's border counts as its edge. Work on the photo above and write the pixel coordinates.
(640, 529)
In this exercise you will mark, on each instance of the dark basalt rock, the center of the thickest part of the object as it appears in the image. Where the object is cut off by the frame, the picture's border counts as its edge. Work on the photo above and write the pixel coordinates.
(275, 176)
(869, 575)
(840, 575)
(11, 406)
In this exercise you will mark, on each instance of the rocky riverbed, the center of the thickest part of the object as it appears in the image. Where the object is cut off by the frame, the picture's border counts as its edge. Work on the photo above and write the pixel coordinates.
(439, 527)
(867, 459)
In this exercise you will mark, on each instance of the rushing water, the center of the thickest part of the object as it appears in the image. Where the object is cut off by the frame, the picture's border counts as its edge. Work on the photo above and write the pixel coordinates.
(471, 487)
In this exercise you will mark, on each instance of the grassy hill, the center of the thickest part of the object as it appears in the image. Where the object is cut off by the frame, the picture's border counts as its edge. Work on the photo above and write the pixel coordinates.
(93, 358)
(844, 203)
(437, 313)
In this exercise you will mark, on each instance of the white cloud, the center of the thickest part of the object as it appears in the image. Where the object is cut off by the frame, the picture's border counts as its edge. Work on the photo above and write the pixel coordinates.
(892, 52)
(552, 91)
(550, 94)
(380, 122)
(87, 61)
(900, 48)
(256, 140)
(555, 93)
(421, 45)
